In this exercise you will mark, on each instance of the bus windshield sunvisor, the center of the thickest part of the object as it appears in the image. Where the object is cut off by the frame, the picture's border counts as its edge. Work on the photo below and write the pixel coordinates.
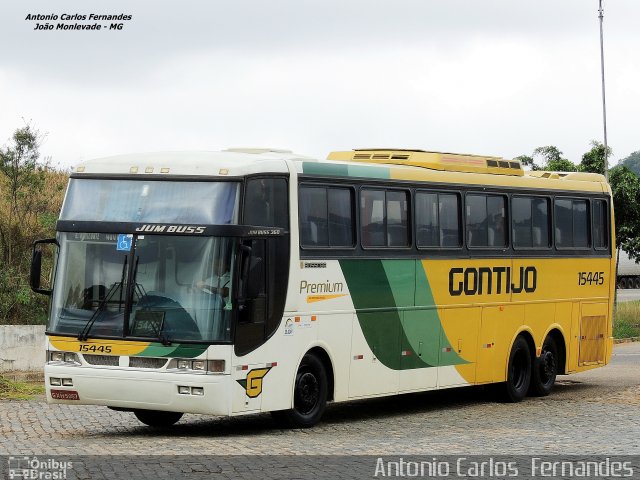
(205, 203)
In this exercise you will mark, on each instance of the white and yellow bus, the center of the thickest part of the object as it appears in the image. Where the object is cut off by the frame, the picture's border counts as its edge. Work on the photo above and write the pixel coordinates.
(253, 280)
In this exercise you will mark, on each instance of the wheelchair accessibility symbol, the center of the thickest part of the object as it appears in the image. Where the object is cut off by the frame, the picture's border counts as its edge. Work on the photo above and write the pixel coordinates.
(124, 242)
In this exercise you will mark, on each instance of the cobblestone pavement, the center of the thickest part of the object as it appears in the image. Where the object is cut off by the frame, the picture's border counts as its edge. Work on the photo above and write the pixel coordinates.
(596, 412)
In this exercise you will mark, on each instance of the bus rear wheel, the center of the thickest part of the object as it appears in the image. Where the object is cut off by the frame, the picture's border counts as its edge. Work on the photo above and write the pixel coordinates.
(309, 395)
(158, 419)
(545, 369)
(518, 373)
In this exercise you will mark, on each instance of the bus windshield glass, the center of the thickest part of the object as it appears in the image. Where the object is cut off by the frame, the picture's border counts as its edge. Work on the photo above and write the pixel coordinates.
(168, 288)
(207, 203)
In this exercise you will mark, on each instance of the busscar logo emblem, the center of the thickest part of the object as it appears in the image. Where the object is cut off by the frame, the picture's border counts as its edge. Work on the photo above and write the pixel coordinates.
(253, 383)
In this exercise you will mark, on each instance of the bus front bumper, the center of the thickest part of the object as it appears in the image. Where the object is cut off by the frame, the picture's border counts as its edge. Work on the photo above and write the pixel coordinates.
(138, 389)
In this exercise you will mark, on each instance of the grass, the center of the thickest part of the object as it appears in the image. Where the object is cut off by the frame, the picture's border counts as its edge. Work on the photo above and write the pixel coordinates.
(626, 320)
(11, 390)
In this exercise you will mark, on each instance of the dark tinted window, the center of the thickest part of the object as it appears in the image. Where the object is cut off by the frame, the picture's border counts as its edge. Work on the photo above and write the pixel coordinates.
(266, 203)
(397, 228)
(564, 223)
(530, 222)
(437, 220)
(580, 223)
(383, 218)
(600, 224)
(372, 218)
(540, 229)
(486, 220)
(571, 223)
(326, 217)
(313, 217)
(340, 217)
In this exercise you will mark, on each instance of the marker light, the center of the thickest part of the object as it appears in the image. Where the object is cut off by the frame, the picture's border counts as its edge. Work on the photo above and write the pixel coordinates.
(216, 366)
(56, 382)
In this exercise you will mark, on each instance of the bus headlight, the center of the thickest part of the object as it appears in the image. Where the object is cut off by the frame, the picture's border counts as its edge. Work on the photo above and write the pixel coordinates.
(71, 357)
(184, 364)
(198, 365)
(56, 357)
(64, 357)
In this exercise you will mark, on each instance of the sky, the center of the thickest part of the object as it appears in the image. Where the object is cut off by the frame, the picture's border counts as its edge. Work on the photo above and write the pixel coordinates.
(491, 77)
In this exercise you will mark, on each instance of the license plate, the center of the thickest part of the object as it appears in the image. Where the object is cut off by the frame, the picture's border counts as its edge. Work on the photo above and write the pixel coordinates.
(65, 395)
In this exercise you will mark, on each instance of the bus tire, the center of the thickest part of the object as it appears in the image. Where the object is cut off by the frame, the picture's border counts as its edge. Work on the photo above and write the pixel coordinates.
(518, 373)
(622, 283)
(636, 282)
(157, 419)
(309, 395)
(545, 369)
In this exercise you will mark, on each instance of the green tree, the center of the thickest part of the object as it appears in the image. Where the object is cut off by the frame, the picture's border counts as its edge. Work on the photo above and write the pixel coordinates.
(30, 197)
(632, 162)
(594, 160)
(551, 160)
(561, 165)
(24, 177)
(625, 186)
(527, 161)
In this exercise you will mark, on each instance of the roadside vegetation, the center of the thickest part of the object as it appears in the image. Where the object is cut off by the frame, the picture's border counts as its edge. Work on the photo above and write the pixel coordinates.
(626, 320)
(12, 390)
(31, 193)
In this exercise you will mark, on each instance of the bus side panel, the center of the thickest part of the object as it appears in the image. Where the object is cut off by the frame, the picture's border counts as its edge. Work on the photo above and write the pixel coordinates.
(335, 332)
(459, 337)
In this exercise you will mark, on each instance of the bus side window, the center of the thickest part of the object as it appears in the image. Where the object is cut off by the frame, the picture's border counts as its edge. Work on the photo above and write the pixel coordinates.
(266, 203)
(600, 231)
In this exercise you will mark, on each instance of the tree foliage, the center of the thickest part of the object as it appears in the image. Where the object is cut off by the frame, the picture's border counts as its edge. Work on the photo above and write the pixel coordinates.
(31, 194)
(632, 162)
(547, 158)
(594, 160)
(625, 187)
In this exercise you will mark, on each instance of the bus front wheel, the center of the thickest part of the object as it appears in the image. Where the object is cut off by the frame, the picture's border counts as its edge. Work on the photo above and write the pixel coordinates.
(545, 369)
(518, 373)
(309, 395)
(158, 419)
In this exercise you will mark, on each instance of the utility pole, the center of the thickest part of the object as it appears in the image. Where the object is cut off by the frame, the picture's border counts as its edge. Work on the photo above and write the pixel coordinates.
(604, 103)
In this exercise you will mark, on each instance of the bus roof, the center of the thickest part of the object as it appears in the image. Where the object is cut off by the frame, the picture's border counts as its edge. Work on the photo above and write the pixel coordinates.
(441, 167)
(232, 162)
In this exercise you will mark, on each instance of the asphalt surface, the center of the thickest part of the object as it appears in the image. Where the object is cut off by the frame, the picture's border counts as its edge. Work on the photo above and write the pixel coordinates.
(596, 412)
(628, 295)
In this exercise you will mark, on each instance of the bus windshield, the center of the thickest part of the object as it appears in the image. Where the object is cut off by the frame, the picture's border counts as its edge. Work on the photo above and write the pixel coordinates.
(168, 288)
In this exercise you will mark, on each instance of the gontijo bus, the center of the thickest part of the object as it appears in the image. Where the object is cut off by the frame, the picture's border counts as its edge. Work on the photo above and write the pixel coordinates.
(255, 280)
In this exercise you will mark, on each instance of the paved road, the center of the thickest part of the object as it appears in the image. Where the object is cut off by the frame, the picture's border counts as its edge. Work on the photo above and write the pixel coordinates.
(628, 295)
(596, 412)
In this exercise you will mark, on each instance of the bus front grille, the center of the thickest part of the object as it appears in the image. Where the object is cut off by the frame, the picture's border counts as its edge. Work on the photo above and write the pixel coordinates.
(107, 360)
(147, 362)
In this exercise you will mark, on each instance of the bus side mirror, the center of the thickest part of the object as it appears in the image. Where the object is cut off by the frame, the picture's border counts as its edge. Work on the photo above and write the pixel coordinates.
(36, 266)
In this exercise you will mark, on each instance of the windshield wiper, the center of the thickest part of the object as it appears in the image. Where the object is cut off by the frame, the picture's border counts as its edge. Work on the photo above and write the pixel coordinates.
(83, 336)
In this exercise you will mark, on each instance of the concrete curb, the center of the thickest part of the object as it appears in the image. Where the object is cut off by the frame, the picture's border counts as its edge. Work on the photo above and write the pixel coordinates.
(626, 340)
